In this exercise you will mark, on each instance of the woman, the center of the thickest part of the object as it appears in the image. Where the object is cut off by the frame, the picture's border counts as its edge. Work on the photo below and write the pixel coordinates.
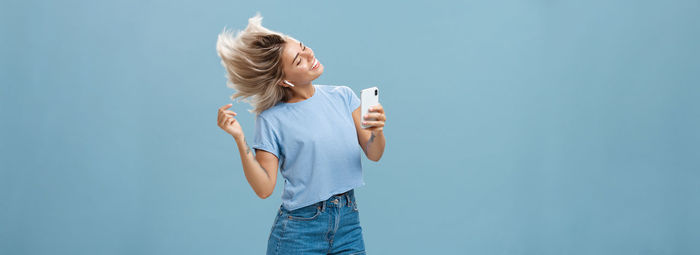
(311, 132)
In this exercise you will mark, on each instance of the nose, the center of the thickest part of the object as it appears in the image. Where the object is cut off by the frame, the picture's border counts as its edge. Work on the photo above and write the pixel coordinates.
(309, 52)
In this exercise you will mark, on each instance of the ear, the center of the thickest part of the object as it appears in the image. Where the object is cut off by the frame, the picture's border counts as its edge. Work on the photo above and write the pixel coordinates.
(288, 83)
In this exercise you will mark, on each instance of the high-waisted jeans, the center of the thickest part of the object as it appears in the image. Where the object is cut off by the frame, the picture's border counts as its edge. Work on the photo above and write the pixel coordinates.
(326, 227)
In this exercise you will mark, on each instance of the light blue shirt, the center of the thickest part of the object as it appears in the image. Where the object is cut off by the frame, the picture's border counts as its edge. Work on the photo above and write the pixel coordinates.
(316, 143)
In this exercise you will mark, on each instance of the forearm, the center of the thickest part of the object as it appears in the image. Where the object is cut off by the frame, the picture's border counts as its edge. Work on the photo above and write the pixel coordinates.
(258, 178)
(375, 146)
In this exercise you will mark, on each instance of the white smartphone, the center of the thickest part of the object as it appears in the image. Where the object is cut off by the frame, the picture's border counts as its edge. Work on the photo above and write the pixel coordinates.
(369, 97)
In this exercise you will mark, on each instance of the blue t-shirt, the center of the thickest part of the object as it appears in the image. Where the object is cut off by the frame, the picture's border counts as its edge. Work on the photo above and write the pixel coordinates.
(316, 143)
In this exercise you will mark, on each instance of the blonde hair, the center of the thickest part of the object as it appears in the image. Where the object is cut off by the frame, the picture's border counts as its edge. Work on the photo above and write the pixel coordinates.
(253, 62)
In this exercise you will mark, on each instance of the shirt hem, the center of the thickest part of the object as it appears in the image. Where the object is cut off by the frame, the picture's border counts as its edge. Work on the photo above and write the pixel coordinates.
(326, 197)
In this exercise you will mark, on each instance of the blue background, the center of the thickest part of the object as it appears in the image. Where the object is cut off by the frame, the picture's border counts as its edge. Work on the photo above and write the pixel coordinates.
(514, 127)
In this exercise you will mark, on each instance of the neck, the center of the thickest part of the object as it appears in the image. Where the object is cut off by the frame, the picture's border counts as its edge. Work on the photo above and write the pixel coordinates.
(301, 92)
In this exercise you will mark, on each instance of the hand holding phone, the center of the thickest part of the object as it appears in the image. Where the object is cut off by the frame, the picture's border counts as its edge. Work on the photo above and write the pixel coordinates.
(369, 97)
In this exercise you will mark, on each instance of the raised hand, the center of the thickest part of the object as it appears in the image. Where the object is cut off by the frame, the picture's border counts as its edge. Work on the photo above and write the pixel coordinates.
(228, 123)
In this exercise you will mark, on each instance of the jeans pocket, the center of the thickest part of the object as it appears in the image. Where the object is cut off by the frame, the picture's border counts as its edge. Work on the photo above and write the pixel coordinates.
(305, 213)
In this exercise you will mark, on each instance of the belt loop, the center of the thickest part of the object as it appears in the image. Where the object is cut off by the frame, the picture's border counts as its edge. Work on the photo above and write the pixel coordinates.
(323, 206)
(347, 199)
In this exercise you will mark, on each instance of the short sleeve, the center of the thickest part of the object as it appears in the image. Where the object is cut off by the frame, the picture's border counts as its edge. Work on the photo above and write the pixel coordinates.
(351, 98)
(265, 137)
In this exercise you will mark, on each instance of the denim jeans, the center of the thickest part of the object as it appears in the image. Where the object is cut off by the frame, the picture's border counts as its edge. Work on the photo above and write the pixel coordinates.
(326, 227)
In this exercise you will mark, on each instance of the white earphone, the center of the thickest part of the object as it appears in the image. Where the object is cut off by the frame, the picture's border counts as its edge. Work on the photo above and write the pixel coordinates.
(289, 83)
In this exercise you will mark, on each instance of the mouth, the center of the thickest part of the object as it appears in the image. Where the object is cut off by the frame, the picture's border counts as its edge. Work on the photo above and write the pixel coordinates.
(315, 64)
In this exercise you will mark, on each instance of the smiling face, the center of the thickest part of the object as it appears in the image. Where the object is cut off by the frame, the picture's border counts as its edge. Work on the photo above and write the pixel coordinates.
(299, 64)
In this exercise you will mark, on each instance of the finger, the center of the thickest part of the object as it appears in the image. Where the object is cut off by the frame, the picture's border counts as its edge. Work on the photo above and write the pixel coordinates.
(375, 116)
(222, 116)
(220, 113)
(374, 123)
(373, 129)
(376, 108)
(225, 107)
(371, 116)
(223, 120)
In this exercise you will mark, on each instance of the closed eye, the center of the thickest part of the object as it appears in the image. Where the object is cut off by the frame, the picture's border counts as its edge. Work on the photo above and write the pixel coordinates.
(304, 48)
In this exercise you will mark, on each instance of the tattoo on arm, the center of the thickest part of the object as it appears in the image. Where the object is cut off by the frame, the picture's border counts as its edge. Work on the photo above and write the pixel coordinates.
(248, 148)
(371, 139)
